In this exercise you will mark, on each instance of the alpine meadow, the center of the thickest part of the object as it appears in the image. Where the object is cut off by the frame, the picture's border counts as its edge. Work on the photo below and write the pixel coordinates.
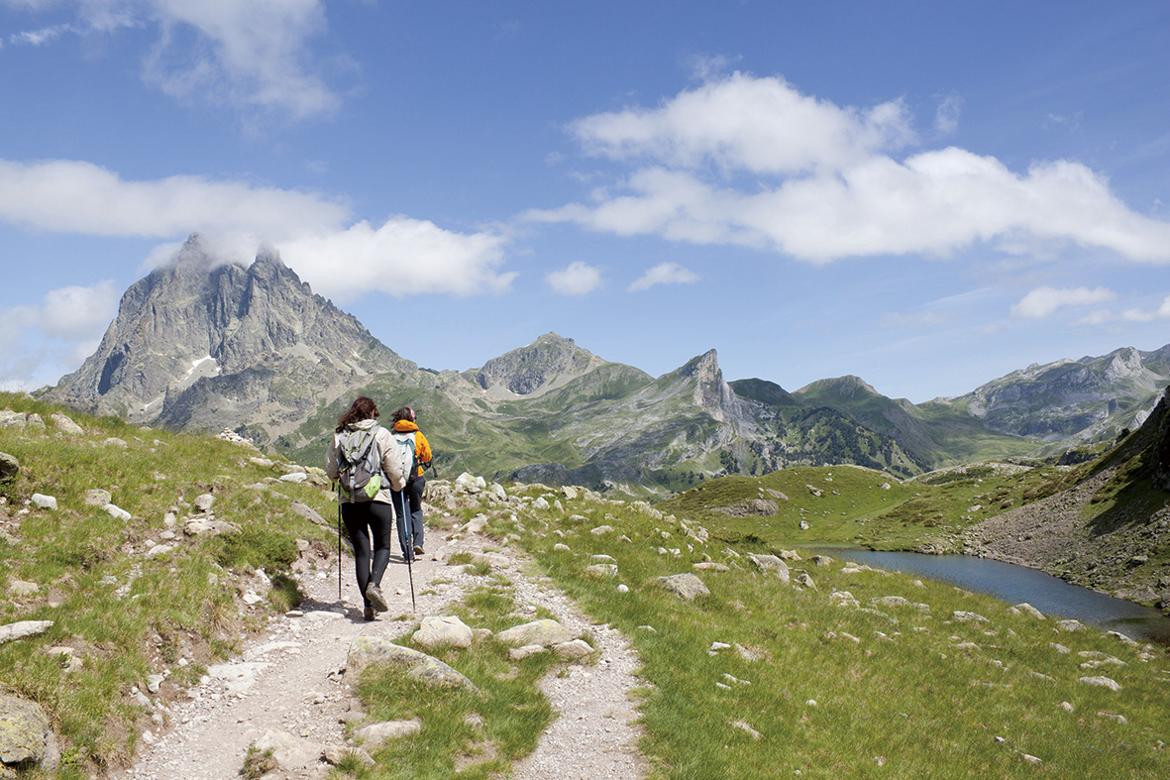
(667, 390)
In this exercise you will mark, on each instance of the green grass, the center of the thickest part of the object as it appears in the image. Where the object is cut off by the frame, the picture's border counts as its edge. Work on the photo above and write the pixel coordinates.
(912, 702)
(127, 615)
(464, 734)
(853, 508)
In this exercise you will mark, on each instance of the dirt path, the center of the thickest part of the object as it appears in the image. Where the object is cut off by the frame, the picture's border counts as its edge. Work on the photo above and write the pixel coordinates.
(289, 679)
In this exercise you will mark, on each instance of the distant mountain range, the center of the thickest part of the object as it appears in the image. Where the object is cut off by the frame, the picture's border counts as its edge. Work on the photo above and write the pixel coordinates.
(202, 346)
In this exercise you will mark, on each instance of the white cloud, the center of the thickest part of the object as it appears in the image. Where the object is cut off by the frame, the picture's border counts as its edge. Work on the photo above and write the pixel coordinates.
(761, 125)
(402, 257)
(38, 343)
(254, 54)
(313, 232)
(1045, 301)
(79, 197)
(663, 273)
(78, 312)
(750, 161)
(946, 116)
(576, 278)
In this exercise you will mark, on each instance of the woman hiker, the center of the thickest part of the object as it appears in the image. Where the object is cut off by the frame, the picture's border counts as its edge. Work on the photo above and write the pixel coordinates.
(410, 504)
(367, 514)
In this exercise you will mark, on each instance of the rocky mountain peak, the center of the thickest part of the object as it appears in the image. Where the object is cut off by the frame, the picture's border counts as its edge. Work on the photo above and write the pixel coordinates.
(201, 344)
(550, 361)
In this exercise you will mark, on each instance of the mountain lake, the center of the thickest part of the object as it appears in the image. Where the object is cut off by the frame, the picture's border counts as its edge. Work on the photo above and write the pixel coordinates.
(1051, 595)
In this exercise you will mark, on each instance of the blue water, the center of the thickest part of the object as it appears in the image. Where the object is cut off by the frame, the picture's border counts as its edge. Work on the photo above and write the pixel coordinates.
(1051, 595)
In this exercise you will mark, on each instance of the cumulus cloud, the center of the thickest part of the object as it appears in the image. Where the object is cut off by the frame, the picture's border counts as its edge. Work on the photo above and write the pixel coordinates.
(1045, 301)
(38, 343)
(314, 233)
(750, 161)
(1133, 314)
(403, 256)
(663, 273)
(254, 54)
(761, 125)
(79, 197)
(577, 278)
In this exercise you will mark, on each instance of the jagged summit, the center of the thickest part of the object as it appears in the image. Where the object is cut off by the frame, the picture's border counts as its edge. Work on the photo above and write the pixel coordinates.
(202, 345)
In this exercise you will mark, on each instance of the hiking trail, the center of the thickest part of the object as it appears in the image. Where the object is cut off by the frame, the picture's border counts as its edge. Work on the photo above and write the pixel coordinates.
(291, 678)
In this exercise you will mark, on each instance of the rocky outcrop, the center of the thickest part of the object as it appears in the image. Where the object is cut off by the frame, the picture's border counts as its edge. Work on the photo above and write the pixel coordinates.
(547, 363)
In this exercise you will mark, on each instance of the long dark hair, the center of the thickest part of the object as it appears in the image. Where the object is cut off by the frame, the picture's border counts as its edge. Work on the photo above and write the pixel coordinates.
(405, 413)
(362, 408)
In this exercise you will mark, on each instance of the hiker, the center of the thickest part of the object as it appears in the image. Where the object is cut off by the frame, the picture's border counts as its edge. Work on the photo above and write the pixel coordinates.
(408, 501)
(359, 455)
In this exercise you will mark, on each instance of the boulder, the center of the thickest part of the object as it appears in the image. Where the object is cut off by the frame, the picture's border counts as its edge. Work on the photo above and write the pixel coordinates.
(770, 563)
(544, 632)
(443, 631)
(24, 733)
(375, 735)
(9, 467)
(368, 650)
(569, 492)
(22, 629)
(65, 424)
(11, 419)
(34, 420)
(1070, 626)
(204, 502)
(686, 586)
(540, 503)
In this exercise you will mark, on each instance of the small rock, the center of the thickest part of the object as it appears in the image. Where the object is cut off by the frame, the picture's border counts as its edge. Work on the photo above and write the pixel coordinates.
(623, 588)
(1101, 682)
(525, 651)
(602, 570)
(561, 547)
(746, 727)
(540, 503)
(9, 467)
(710, 566)
(572, 650)
(544, 632)
(1066, 706)
(41, 501)
(805, 581)
(1113, 716)
(117, 512)
(153, 682)
(19, 589)
(114, 441)
(204, 502)
(1059, 648)
(23, 629)
(443, 631)
(65, 424)
(1030, 759)
(377, 734)
(686, 586)
(968, 617)
(1027, 609)
(601, 530)
(770, 563)
(97, 497)
(1070, 626)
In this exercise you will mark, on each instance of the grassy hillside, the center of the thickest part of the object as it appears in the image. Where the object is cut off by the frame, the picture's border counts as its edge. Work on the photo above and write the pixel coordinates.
(125, 604)
(838, 677)
(859, 506)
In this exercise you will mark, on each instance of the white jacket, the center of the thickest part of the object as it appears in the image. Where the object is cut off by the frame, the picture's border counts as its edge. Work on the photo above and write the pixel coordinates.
(385, 444)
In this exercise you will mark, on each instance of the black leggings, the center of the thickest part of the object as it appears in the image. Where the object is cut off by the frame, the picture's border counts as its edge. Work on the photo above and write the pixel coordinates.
(363, 520)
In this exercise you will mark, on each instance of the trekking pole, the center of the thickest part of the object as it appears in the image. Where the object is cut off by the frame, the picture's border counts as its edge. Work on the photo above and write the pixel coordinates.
(339, 541)
(408, 534)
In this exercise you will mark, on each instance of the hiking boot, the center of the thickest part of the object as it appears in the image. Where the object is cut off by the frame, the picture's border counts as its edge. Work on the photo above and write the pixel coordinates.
(418, 550)
(375, 597)
(368, 613)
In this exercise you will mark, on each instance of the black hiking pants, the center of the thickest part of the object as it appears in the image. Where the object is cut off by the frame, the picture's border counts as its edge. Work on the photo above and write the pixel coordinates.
(368, 524)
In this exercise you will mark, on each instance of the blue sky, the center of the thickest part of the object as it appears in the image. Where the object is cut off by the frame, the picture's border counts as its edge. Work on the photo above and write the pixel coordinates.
(922, 194)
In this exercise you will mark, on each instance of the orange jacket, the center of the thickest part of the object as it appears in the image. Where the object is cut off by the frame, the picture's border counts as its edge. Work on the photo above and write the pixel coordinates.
(422, 448)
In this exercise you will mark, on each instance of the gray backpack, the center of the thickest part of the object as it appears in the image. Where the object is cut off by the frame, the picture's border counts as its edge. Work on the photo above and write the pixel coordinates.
(359, 463)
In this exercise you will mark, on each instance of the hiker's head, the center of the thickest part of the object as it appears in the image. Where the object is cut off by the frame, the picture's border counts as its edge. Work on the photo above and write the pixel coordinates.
(362, 408)
(405, 413)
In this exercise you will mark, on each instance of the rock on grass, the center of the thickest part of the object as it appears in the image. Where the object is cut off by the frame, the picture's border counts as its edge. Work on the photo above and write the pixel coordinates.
(686, 586)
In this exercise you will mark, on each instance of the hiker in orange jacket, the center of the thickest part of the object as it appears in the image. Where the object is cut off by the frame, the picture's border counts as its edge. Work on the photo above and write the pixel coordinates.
(405, 421)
